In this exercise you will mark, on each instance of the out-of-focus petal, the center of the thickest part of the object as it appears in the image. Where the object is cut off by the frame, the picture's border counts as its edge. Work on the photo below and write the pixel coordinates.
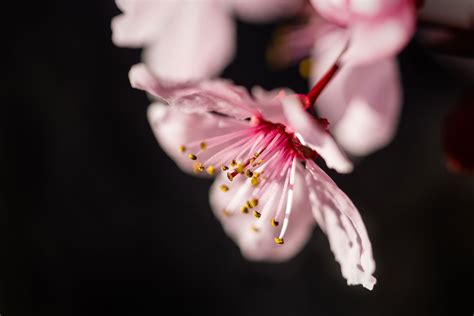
(260, 246)
(336, 11)
(381, 37)
(198, 43)
(314, 135)
(173, 128)
(217, 95)
(363, 104)
(265, 10)
(269, 103)
(141, 22)
(341, 222)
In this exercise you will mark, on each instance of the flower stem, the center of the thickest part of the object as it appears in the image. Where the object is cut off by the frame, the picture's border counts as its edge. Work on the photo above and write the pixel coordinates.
(320, 85)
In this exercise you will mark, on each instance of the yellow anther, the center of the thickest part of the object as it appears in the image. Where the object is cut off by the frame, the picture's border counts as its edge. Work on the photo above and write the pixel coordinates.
(192, 157)
(203, 146)
(226, 212)
(251, 160)
(248, 204)
(257, 214)
(244, 209)
(274, 222)
(211, 170)
(239, 168)
(224, 168)
(253, 202)
(256, 155)
(198, 167)
(254, 180)
(259, 162)
(224, 188)
(182, 148)
(254, 228)
(256, 174)
(230, 176)
(233, 163)
(278, 241)
(249, 174)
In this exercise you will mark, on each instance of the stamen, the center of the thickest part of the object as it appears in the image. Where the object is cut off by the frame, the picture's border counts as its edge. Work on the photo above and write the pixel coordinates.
(182, 148)
(257, 214)
(254, 228)
(274, 222)
(226, 212)
(198, 167)
(224, 188)
(244, 209)
(211, 170)
(249, 173)
(278, 241)
(289, 201)
(192, 157)
(203, 146)
(253, 202)
(224, 168)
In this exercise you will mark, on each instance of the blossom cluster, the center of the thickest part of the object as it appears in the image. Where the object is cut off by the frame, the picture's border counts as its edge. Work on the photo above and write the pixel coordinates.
(262, 147)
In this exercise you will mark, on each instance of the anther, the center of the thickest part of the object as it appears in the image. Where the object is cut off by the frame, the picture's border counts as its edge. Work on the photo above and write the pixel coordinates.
(192, 157)
(233, 163)
(203, 146)
(182, 148)
(198, 167)
(230, 176)
(226, 212)
(253, 202)
(254, 180)
(257, 214)
(239, 168)
(224, 188)
(224, 168)
(274, 222)
(249, 174)
(211, 170)
(244, 209)
(278, 241)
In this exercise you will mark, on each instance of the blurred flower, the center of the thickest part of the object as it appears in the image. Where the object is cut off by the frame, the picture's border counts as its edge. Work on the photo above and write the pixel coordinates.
(186, 39)
(262, 149)
(363, 100)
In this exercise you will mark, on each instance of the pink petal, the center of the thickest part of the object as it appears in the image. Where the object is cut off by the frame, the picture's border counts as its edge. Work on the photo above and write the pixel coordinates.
(383, 36)
(198, 42)
(173, 128)
(336, 11)
(265, 10)
(207, 96)
(269, 103)
(363, 105)
(339, 219)
(142, 21)
(314, 135)
(260, 245)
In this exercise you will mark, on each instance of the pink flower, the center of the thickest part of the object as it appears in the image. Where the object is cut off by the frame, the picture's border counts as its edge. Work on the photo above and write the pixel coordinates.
(189, 40)
(262, 149)
(362, 37)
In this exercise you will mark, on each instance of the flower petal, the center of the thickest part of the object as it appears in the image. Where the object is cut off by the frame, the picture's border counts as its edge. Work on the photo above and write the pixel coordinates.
(198, 43)
(142, 21)
(265, 10)
(382, 37)
(314, 135)
(363, 104)
(207, 96)
(173, 128)
(339, 219)
(260, 246)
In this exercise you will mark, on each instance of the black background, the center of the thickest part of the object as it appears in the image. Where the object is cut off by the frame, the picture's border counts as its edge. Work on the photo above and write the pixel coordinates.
(99, 221)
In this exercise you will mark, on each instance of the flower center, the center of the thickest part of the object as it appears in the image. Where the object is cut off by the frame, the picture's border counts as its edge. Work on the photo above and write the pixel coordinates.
(260, 164)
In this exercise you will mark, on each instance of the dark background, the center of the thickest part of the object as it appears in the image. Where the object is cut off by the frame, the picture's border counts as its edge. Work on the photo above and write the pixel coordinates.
(97, 220)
